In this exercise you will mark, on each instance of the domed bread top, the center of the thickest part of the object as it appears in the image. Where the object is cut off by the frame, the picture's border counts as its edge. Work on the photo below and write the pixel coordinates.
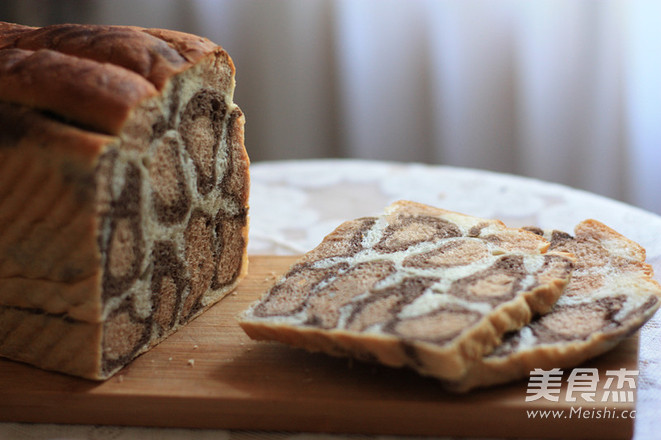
(610, 296)
(416, 286)
(94, 75)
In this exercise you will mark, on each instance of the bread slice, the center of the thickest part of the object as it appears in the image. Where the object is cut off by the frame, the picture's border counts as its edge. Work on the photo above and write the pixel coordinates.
(610, 296)
(416, 286)
(123, 191)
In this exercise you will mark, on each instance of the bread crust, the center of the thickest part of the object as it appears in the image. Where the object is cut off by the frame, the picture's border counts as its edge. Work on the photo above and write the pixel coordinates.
(59, 239)
(94, 75)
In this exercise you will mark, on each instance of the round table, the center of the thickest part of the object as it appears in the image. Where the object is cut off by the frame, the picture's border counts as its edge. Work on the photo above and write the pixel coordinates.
(294, 204)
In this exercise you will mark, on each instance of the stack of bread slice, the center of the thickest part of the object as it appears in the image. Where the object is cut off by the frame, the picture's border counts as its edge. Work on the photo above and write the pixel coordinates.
(464, 299)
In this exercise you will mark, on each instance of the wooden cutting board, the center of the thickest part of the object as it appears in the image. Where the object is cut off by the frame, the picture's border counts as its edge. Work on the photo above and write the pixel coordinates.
(211, 375)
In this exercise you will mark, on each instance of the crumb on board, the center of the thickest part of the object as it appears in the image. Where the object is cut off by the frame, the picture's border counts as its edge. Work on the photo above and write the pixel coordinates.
(195, 347)
(271, 276)
(191, 362)
(120, 378)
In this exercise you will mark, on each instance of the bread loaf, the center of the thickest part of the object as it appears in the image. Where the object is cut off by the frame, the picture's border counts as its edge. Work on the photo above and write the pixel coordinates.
(417, 286)
(123, 191)
(610, 296)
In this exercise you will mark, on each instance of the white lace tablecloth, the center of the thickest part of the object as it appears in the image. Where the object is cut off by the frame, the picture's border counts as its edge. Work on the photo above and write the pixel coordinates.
(294, 204)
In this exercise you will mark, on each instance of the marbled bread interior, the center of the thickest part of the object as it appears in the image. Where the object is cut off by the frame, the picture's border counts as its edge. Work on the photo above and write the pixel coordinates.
(417, 286)
(611, 295)
(123, 191)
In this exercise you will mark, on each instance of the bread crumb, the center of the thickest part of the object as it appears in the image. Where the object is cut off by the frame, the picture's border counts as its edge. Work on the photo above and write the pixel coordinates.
(120, 378)
(170, 358)
(191, 362)
(195, 347)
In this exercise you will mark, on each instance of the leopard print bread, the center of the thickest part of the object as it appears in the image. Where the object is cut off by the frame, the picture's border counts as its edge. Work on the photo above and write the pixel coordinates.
(417, 286)
(123, 191)
(610, 296)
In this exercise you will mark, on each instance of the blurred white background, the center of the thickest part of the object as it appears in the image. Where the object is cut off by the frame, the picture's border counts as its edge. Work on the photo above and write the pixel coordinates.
(564, 91)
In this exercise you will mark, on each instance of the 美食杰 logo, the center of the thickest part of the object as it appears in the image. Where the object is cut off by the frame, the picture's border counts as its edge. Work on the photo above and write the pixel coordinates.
(618, 385)
(584, 386)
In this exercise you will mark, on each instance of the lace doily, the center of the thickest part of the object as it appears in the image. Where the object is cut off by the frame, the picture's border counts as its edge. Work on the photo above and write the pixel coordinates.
(295, 204)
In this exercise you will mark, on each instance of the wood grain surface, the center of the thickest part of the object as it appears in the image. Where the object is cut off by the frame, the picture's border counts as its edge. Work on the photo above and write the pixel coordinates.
(211, 375)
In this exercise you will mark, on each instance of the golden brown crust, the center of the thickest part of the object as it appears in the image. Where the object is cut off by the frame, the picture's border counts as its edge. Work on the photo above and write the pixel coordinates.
(10, 31)
(93, 95)
(191, 47)
(94, 75)
(21, 125)
(51, 342)
(151, 58)
(55, 241)
(154, 54)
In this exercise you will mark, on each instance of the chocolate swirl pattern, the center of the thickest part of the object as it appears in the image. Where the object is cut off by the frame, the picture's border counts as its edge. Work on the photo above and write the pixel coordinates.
(123, 191)
(418, 286)
(610, 296)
